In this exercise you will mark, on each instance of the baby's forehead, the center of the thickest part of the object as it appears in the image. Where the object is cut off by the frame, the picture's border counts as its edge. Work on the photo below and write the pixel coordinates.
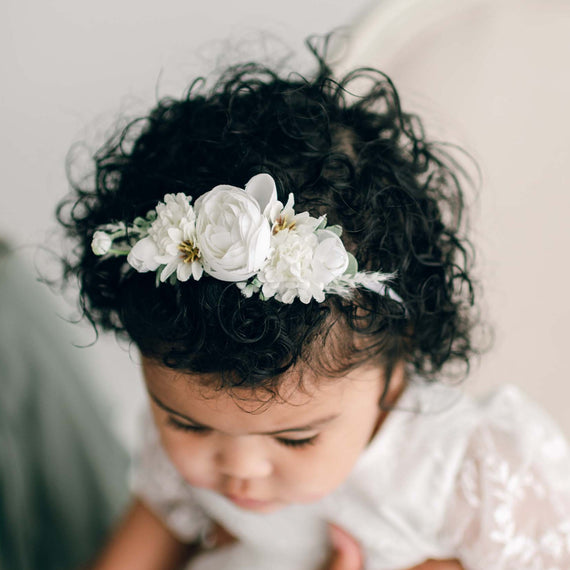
(297, 388)
(292, 388)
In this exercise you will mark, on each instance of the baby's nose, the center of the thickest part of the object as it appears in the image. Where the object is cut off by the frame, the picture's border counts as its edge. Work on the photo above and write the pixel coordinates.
(243, 458)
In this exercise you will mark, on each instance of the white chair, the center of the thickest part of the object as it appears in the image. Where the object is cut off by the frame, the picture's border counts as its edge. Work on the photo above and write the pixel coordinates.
(494, 77)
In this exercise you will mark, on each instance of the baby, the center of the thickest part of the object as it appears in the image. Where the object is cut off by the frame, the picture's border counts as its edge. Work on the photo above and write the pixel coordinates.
(288, 259)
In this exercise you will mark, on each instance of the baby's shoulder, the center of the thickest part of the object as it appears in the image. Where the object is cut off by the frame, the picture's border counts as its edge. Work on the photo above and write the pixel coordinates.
(510, 497)
(512, 431)
(504, 422)
(434, 431)
(448, 413)
(440, 439)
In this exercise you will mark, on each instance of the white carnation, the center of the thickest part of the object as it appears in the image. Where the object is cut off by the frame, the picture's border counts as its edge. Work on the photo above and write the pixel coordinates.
(304, 259)
(288, 272)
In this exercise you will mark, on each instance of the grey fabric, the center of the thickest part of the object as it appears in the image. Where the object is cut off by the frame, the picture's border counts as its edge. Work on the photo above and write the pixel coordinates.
(62, 472)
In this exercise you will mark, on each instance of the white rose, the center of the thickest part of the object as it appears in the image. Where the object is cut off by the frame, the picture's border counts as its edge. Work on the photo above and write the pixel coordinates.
(143, 255)
(330, 259)
(232, 231)
(101, 243)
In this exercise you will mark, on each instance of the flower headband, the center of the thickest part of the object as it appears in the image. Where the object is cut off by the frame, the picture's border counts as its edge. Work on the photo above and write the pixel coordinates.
(245, 236)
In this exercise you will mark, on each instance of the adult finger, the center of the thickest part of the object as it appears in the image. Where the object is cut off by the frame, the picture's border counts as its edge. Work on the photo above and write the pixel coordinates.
(217, 537)
(439, 565)
(346, 551)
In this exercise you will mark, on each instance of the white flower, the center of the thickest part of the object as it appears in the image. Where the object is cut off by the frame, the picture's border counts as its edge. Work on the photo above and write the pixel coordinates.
(304, 259)
(233, 229)
(293, 271)
(101, 243)
(247, 289)
(235, 234)
(262, 188)
(330, 259)
(171, 241)
(143, 255)
(284, 217)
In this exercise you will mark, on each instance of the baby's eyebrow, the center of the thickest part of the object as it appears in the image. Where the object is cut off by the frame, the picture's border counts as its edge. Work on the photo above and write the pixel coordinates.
(308, 427)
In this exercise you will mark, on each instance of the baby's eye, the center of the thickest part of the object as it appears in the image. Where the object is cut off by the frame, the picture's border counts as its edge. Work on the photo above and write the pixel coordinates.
(297, 442)
(176, 424)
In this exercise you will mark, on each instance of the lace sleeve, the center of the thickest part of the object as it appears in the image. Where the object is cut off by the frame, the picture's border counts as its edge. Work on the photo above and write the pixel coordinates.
(511, 504)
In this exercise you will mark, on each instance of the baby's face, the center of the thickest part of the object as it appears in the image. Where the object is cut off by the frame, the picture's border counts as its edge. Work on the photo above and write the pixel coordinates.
(289, 452)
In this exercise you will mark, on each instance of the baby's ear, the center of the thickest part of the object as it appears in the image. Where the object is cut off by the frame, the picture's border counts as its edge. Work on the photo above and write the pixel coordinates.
(397, 382)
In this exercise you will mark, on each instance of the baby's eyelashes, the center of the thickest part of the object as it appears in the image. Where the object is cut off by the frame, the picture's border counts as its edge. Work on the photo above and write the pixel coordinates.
(297, 442)
(177, 424)
(203, 430)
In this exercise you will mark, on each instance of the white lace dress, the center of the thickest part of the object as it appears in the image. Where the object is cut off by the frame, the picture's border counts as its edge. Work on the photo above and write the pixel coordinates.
(485, 481)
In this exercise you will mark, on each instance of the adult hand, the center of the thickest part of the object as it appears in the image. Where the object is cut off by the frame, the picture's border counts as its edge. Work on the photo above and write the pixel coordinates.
(439, 565)
(218, 537)
(346, 553)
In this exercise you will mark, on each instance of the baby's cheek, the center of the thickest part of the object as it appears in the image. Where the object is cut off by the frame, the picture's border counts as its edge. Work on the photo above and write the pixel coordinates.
(191, 461)
(319, 474)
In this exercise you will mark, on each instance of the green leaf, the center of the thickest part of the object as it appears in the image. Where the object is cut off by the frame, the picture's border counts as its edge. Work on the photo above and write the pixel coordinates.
(322, 225)
(352, 268)
(118, 252)
(157, 281)
(335, 230)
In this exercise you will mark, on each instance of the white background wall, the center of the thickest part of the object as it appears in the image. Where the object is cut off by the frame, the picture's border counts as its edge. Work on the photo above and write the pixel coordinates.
(495, 79)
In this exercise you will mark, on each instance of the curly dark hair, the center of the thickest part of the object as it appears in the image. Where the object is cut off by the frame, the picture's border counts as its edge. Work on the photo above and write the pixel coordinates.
(359, 159)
